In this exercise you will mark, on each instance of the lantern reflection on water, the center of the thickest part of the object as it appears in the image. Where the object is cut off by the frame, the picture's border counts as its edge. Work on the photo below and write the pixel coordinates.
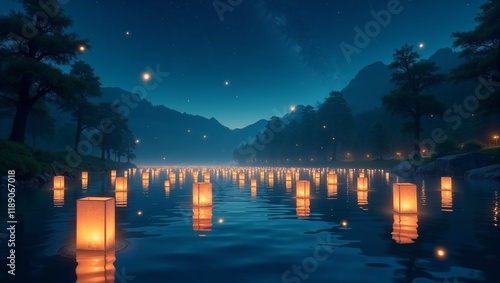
(332, 190)
(303, 207)
(95, 223)
(404, 228)
(58, 197)
(121, 198)
(95, 266)
(362, 197)
(206, 177)
(202, 218)
(362, 183)
(447, 200)
(332, 178)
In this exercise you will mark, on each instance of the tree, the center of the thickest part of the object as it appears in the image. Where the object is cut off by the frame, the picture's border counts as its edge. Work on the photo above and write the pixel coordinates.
(335, 121)
(481, 50)
(412, 78)
(80, 107)
(31, 44)
(40, 124)
(379, 139)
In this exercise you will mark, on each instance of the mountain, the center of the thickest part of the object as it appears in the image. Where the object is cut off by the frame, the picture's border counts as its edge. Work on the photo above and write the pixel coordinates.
(365, 91)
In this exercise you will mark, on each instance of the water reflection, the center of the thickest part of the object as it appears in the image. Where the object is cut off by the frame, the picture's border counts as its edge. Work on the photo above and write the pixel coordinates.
(93, 266)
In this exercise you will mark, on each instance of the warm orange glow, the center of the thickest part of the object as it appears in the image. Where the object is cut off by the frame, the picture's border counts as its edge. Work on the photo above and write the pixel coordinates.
(145, 184)
(202, 218)
(58, 182)
(241, 184)
(95, 223)
(121, 198)
(253, 183)
(332, 178)
(95, 266)
(362, 184)
(241, 176)
(113, 173)
(303, 189)
(253, 191)
(303, 207)
(166, 184)
(332, 190)
(446, 183)
(362, 197)
(171, 176)
(344, 223)
(447, 200)
(82, 48)
(85, 183)
(404, 228)
(202, 194)
(404, 197)
(206, 177)
(195, 176)
(441, 253)
(85, 175)
(121, 184)
(288, 177)
(361, 174)
(288, 185)
(146, 76)
(58, 197)
(145, 175)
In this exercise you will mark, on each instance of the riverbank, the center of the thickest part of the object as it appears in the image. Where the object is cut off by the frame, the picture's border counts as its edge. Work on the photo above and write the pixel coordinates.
(32, 165)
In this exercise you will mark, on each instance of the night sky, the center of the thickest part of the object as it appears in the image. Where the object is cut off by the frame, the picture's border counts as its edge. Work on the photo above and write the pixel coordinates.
(260, 57)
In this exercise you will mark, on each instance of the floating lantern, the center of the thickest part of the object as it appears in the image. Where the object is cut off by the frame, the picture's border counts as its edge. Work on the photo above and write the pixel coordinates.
(241, 176)
(85, 175)
(113, 174)
(288, 177)
(125, 173)
(362, 183)
(332, 178)
(166, 184)
(202, 194)
(58, 197)
(288, 185)
(95, 266)
(95, 223)
(121, 198)
(404, 197)
(446, 183)
(303, 207)
(145, 175)
(253, 191)
(303, 189)
(121, 184)
(404, 228)
(206, 177)
(58, 182)
(241, 184)
(202, 218)
(361, 174)
(195, 176)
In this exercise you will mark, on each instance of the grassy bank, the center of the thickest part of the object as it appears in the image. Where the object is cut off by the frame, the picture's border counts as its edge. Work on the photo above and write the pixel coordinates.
(30, 162)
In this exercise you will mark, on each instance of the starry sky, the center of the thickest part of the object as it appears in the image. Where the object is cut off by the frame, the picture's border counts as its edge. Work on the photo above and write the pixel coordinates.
(243, 60)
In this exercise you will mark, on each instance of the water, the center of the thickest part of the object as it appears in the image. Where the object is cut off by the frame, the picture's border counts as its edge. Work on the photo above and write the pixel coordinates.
(266, 234)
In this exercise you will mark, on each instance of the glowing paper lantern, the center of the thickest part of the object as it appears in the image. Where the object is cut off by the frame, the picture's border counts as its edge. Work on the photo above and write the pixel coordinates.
(332, 178)
(113, 174)
(85, 175)
(404, 196)
(166, 184)
(202, 218)
(303, 207)
(303, 189)
(446, 183)
(362, 183)
(288, 177)
(404, 228)
(241, 184)
(145, 175)
(361, 174)
(121, 198)
(95, 223)
(241, 176)
(206, 177)
(121, 184)
(95, 266)
(195, 176)
(288, 185)
(58, 182)
(202, 194)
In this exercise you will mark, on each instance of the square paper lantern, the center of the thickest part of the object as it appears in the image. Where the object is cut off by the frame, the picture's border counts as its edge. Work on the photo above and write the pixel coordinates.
(362, 183)
(121, 184)
(85, 175)
(145, 175)
(446, 183)
(288, 177)
(361, 174)
(95, 223)
(404, 197)
(332, 178)
(58, 182)
(113, 174)
(206, 177)
(202, 194)
(303, 189)
(241, 176)
(166, 184)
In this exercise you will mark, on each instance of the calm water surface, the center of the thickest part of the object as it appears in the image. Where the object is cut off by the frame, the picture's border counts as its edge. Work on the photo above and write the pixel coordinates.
(262, 235)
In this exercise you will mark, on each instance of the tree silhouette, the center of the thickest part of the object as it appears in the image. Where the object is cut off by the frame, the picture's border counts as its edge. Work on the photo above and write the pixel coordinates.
(481, 49)
(27, 63)
(412, 78)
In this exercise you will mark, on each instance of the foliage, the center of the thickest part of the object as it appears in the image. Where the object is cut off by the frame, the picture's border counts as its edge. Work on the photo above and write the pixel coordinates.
(473, 145)
(447, 147)
(379, 139)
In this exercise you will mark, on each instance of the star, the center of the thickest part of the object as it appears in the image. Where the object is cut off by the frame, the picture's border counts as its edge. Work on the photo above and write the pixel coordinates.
(421, 45)
(146, 76)
(226, 83)
(127, 33)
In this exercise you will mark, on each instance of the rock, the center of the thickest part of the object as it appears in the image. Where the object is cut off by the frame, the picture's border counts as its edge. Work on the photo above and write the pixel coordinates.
(404, 169)
(487, 172)
(455, 165)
